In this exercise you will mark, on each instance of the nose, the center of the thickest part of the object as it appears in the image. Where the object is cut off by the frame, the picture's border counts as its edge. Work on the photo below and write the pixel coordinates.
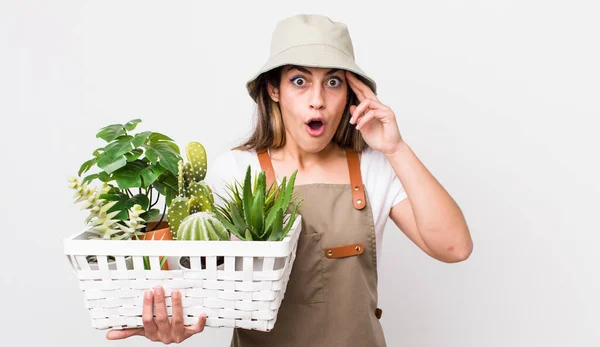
(316, 100)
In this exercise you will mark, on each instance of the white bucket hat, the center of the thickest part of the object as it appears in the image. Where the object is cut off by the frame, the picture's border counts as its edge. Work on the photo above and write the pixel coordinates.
(313, 41)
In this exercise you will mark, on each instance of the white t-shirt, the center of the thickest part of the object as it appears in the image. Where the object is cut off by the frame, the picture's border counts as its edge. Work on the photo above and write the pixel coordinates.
(380, 180)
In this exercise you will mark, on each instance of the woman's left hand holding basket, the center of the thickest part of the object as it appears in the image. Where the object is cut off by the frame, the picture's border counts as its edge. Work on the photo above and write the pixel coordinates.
(159, 329)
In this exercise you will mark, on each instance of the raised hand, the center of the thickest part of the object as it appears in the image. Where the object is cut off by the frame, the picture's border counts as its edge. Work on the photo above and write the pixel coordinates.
(376, 121)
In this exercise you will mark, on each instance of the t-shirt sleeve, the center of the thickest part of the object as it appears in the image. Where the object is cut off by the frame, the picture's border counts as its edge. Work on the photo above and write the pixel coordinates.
(219, 173)
(383, 180)
(396, 189)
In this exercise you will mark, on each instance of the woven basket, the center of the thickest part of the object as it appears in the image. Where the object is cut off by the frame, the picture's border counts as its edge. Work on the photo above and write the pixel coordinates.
(244, 292)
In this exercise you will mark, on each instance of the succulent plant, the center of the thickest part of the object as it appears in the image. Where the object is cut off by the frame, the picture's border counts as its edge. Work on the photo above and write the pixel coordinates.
(202, 226)
(134, 225)
(194, 194)
(103, 224)
(255, 212)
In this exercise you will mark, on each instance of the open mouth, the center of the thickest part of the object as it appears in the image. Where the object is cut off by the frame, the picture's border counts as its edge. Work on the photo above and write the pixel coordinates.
(315, 124)
(315, 127)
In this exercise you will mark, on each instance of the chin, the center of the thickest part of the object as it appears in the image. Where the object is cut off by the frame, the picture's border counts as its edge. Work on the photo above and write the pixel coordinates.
(315, 145)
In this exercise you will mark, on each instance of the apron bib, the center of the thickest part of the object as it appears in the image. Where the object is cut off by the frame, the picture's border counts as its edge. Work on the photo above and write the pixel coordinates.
(331, 296)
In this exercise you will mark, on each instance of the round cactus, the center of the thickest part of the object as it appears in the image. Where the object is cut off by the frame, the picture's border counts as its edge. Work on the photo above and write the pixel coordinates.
(202, 226)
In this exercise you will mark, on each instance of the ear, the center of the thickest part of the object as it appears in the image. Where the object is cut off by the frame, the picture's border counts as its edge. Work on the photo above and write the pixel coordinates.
(273, 92)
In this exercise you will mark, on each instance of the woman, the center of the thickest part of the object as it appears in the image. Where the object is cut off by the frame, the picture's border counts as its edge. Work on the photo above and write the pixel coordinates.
(318, 113)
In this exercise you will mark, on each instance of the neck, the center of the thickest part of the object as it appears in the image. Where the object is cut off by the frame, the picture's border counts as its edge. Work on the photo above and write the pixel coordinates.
(292, 153)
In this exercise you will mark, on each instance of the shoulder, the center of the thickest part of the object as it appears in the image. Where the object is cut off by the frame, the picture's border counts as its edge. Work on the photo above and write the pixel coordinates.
(373, 161)
(234, 158)
(231, 164)
(380, 178)
(228, 167)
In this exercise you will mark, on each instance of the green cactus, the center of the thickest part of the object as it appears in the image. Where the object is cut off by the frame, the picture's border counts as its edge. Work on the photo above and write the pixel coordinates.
(195, 169)
(202, 226)
(194, 194)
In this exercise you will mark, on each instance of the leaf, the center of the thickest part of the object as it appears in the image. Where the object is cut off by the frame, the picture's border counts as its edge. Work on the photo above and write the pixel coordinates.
(237, 218)
(86, 166)
(257, 214)
(261, 183)
(114, 190)
(173, 146)
(155, 137)
(111, 132)
(104, 177)
(140, 139)
(150, 215)
(288, 191)
(281, 194)
(150, 174)
(248, 235)
(89, 178)
(129, 126)
(293, 216)
(166, 185)
(140, 199)
(129, 175)
(277, 227)
(276, 205)
(270, 217)
(117, 196)
(165, 155)
(134, 155)
(110, 165)
(247, 195)
(118, 147)
(98, 152)
(121, 206)
(221, 218)
(125, 203)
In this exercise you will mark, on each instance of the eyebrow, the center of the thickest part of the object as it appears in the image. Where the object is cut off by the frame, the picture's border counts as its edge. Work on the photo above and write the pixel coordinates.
(330, 72)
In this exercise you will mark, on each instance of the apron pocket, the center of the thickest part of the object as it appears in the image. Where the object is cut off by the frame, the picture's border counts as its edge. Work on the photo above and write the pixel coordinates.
(306, 279)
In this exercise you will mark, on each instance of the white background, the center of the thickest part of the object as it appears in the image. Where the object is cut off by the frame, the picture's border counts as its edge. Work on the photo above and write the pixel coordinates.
(499, 99)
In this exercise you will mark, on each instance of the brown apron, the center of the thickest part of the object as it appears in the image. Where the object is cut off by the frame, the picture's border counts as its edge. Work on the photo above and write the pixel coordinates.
(331, 296)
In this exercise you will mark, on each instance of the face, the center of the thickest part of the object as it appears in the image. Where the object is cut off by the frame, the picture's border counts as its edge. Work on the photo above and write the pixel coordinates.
(312, 102)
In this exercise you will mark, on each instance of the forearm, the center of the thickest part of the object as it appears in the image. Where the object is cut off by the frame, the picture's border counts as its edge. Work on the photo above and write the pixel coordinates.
(440, 221)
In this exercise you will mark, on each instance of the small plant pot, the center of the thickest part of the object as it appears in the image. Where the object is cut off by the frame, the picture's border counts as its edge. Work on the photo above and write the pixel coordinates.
(184, 262)
(162, 232)
(112, 264)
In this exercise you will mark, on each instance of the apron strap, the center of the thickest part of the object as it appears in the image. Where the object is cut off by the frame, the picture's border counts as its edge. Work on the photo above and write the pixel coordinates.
(266, 166)
(356, 183)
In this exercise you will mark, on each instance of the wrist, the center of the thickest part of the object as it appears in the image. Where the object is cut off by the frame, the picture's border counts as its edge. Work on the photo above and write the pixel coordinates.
(397, 151)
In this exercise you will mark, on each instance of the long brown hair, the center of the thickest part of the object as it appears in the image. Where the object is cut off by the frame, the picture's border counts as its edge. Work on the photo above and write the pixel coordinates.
(269, 130)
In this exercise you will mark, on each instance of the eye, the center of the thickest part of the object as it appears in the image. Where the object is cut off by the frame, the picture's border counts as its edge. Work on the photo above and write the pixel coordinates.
(298, 81)
(334, 82)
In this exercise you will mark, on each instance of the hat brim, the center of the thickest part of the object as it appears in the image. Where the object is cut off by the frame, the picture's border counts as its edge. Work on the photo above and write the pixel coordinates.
(317, 55)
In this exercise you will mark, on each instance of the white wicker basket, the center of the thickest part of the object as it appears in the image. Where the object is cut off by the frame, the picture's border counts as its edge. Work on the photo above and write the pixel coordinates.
(244, 292)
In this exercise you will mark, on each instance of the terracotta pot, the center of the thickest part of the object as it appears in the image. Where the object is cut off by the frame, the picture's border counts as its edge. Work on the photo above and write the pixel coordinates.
(163, 232)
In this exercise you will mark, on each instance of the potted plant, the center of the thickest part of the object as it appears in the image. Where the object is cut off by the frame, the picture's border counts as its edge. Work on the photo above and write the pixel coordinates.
(135, 171)
(191, 214)
(255, 212)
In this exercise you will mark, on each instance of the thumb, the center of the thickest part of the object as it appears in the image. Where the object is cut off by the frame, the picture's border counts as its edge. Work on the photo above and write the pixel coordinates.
(352, 108)
(123, 334)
